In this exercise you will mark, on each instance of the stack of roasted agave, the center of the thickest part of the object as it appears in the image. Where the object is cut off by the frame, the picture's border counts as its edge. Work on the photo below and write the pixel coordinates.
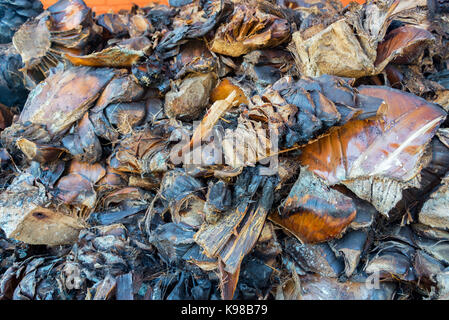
(229, 149)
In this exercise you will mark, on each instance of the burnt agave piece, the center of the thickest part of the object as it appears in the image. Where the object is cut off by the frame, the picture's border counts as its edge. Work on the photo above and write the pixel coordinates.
(397, 103)
(172, 241)
(213, 10)
(314, 212)
(266, 66)
(23, 223)
(83, 144)
(99, 253)
(194, 57)
(12, 89)
(152, 73)
(219, 199)
(316, 258)
(314, 287)
(309, 186)
(188, 98)
(393, 260)
(252, 25)
(433, 212)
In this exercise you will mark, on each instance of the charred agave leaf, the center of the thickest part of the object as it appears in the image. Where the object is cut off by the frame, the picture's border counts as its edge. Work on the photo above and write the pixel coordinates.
(98, 252)
(427, 269)
(172, 240)
(314, 212)
(443, 135)
(219, 199)
(430, 178)
(125, 116)
(316, 258)
(66, 26)
(433, 241)
(47, 174)
(264, 67)
(37, 278)
(181, 195)
(226, 87)
(404, 123)
(253, 25)
(32, 132)
(236, 233)
(124, 24)
(77, 187)
(206, 18)
(152, 73)
(109, 57)
(39, 152)
(113, 24)
(123, 88)
(403, 46)
(314, 109)
(12, 89)
(351, 247)
(194, 57)
(23, 216)
(64, 98)
(393, 259)
(321, 103)
(83, 143)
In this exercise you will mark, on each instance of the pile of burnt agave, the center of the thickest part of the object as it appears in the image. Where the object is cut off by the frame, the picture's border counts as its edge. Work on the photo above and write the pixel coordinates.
(228, 149)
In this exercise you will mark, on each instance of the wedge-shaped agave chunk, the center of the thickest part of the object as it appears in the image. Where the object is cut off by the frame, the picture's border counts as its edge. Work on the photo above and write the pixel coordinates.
(389, 146)
(64, 97)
